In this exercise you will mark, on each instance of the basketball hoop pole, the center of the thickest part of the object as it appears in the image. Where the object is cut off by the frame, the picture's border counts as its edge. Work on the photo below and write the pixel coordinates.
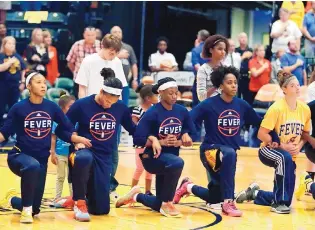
(142, 39)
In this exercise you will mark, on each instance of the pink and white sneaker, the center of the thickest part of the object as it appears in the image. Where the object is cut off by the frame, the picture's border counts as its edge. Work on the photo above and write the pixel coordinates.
(182, 190)
(229, 209)
(63, 202)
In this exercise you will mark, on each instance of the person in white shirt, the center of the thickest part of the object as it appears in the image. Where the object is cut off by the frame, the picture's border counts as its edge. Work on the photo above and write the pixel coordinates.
(283, 31)
(162, 60)
(232, 59)
(89, 78)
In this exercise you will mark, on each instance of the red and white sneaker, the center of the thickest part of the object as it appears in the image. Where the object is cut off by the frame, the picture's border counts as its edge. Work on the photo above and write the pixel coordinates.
(128, 198)
(81, 211)
(64, 202)
(229, 209)
(182, 190)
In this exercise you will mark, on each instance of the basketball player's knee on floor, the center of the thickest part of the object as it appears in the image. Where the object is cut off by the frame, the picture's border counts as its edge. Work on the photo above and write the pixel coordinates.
(99, 209)
(83, 159)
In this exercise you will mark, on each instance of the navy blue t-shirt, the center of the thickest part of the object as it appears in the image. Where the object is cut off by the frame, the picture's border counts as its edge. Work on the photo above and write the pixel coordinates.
(160, 122)
(223, 121)
(100, 125)
(32, 124)
(13, 74)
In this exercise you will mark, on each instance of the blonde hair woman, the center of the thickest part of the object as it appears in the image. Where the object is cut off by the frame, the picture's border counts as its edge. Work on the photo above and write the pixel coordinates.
(37, 53)
(12, 71)
(52, 66)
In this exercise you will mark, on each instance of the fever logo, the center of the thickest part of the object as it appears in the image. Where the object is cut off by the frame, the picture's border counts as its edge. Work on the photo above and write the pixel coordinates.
(171, 125)
(229, 123)
(102, 126)
(37, 124)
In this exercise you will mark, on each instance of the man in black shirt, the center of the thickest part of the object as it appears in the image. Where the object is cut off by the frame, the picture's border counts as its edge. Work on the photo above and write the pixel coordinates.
(246, 54)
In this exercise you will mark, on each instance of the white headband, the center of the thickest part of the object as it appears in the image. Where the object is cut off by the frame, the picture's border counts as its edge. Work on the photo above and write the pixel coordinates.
(167, 85)
(28, 79)
(112, 90)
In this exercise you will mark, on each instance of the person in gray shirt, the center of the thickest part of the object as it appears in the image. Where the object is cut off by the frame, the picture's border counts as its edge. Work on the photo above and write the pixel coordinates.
(127, 57)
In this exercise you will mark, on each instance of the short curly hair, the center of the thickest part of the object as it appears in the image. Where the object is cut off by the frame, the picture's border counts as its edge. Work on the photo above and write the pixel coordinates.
(162, 38)
(211, 42)
(219, 73)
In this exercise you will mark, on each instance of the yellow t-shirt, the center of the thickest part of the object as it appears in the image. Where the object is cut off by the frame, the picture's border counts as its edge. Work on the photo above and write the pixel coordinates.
(297, 17)
(288, 124)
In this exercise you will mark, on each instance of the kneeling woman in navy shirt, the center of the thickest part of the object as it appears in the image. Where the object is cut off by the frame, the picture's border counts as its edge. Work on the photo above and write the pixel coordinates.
(223, 115)
(31, 120)
(163, 129)
(98, 118)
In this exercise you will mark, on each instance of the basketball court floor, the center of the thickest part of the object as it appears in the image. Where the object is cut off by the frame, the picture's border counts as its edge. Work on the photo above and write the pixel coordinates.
(195, 214)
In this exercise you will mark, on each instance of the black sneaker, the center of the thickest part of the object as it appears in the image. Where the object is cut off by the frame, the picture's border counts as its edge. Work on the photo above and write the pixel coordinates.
(149, 193)
(248, 194)
(280, 208)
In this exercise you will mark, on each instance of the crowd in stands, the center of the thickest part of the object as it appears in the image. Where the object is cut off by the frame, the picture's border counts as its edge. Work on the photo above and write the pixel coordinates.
(256, 70)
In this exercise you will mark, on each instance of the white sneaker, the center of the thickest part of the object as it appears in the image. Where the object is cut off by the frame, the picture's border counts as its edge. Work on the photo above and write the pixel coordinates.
(113, 196)
(217, 206)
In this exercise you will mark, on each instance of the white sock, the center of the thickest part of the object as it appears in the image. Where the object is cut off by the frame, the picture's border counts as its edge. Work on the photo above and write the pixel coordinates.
(135, 197)
(28, 209)
(255, 194)
(308, 187)
(189, 187)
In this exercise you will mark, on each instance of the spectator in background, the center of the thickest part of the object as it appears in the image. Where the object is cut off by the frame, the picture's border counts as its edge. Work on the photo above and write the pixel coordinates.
(294, 63)
(260, 70)
(246, 53)
(309, 32)
(187, 65)
(99, 34)
(162, 60)
(129, 61)
(296, 10)
(215, 50)
(4, 6)
(198, 61)
(12, 71)
(37, 53)
(81, 49)
(52, 66)
(283, 31)
(233, 59)
(276, 66)
(3, 32)
(308, 7)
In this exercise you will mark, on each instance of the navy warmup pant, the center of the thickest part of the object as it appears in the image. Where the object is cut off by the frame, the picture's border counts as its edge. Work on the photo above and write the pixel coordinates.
(310, 153)
(33, 178)
(168, 169)
(284, 180)
(222, 173)
(90, 177)
(9, 95)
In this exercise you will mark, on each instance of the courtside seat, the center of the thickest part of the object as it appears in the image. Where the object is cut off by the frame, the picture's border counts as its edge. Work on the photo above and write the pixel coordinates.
(64, 83)
(53, 94)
